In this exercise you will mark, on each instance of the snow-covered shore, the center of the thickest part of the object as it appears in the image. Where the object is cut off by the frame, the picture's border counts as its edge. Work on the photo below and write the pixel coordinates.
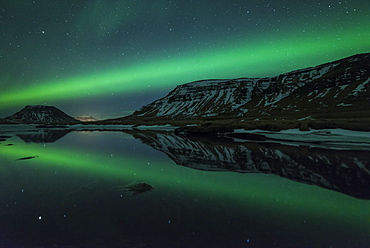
(333, 138)
(329, 138)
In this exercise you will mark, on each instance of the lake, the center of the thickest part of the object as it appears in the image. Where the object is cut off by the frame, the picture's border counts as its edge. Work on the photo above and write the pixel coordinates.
(62, 188)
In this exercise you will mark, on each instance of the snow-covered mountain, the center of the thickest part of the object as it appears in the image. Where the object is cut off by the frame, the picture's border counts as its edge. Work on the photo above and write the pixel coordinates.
(337, 86)
(345, 171)
(41, 114)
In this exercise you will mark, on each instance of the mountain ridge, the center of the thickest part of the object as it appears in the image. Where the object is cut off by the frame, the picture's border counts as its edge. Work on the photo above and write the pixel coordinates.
(341, 85)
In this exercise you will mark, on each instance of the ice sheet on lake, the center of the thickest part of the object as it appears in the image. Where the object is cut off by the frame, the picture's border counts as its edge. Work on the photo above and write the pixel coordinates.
(333, 138)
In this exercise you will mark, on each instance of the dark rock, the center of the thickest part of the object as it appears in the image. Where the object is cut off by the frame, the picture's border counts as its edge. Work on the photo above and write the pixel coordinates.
(137, 188)
(304, 127)
(27, 158)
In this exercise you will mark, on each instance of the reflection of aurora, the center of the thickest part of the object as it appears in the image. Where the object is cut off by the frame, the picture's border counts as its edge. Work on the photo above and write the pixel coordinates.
(237, 60)
(263, 191)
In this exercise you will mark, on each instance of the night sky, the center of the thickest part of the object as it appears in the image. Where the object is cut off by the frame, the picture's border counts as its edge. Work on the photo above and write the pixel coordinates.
(107, 58)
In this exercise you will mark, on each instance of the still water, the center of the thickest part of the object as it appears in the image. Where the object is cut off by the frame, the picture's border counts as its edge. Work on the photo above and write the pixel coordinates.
(69, 189)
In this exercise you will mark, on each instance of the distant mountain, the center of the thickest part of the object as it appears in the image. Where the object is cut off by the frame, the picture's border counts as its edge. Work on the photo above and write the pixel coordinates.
(339, 87)
(40, 114)
(85, 118)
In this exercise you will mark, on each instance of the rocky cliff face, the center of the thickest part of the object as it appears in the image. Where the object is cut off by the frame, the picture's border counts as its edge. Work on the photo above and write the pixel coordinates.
(345, 171)
(40, 114)
(336, 86)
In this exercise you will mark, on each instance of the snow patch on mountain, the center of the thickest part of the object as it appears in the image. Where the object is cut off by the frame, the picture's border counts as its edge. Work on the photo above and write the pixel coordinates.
(360, 87)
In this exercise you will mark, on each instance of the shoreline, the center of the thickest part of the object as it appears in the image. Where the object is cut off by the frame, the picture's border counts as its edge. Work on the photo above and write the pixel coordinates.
(331, 138)
(219, 125)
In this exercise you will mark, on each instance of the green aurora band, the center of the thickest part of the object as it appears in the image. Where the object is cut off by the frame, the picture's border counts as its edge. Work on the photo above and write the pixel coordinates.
(237, 60)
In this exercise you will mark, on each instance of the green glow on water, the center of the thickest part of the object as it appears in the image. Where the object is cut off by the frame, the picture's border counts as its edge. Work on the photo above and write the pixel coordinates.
(261, 191)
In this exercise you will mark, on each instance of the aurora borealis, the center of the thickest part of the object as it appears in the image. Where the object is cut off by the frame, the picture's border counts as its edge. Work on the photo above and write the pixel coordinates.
(107, 58)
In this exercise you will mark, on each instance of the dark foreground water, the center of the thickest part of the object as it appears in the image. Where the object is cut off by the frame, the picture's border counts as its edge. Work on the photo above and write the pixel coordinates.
(68, 190)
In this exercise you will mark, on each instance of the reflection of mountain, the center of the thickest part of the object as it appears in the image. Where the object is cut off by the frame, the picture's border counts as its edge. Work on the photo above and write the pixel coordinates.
(43, 135)
(347, 172)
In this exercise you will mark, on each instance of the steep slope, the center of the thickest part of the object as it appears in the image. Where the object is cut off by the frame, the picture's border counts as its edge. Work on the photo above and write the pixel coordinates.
(40, 114)
(338, 86)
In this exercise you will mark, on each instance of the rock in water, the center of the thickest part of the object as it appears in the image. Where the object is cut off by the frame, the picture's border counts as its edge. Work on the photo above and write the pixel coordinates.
(137, 188)
(27, 158)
